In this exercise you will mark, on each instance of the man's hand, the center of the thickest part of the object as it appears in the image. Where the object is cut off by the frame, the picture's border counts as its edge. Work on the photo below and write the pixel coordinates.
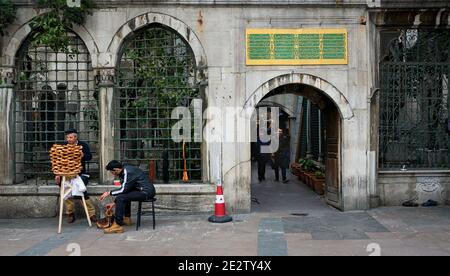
(58, 180)
(103, 196)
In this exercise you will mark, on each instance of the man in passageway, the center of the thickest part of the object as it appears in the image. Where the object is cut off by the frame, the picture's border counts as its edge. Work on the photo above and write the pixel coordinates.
(261, 157)
(281, 158)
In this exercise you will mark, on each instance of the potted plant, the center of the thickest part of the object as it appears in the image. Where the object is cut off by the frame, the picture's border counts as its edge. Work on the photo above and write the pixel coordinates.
(318, 181)
(296, 168)
(308, 169)
(301, 172)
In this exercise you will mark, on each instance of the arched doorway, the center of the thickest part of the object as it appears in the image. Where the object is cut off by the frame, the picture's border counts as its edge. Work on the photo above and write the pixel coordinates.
(334, 109)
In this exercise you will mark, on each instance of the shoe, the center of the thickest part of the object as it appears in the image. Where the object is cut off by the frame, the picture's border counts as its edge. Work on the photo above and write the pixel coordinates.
(285, 181)
(127, 221)
(104, 223)
(277, 180)
(70, 218)
(94, 218)
(410, 203)
(114, 229)
(430, 203)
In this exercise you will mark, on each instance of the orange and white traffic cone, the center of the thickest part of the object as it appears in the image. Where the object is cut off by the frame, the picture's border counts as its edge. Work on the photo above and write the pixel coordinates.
(220, 215)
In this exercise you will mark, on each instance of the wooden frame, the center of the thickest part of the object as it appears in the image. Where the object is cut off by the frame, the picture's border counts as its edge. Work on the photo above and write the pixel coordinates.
(63, 194)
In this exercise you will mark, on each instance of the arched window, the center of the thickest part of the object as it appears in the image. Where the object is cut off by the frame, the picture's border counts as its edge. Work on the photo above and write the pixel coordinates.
(156, 73)
(51, 94)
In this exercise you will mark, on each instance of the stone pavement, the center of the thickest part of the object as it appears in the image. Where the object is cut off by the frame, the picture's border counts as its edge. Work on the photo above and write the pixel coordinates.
(290, 220)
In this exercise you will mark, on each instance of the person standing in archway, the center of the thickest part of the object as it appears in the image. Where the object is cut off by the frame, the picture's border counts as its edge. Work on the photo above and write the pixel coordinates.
(282, 157)
(261, 157)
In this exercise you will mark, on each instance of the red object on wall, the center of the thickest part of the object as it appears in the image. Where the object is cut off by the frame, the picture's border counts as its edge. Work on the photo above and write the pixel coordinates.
(185, 174)
(151, 171)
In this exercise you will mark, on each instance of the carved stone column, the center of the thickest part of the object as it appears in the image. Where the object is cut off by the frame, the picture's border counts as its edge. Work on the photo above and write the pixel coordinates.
(6, 126)
(106, 83)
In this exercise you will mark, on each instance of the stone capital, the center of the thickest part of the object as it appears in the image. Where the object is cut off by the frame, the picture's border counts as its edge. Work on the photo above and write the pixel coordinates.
(6, 76)
(105, 76)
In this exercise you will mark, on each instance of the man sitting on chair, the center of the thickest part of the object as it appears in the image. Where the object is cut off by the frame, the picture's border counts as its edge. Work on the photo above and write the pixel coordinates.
(72, 139)
(135, 186)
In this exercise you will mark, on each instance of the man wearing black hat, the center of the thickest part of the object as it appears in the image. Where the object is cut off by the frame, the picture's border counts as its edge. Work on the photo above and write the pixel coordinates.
(135, 186)
(72, 139)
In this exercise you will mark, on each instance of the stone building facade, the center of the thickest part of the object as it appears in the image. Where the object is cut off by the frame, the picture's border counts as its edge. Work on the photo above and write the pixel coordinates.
(214, 34)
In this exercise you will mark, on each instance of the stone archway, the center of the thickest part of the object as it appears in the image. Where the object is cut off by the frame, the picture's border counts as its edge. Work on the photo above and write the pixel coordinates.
(339, 113)
(147, 19)
(139, 25)
(43, 109)
(287, 110)
(297, 78)
(19, 37)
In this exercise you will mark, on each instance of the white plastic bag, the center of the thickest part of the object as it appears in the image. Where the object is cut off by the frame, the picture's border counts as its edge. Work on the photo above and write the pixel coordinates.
(78, 187)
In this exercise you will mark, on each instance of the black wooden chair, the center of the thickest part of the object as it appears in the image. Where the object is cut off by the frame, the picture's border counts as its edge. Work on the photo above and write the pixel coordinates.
(140, 212)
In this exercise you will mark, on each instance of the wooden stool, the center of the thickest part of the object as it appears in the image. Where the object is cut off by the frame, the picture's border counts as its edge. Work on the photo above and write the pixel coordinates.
(140, 212)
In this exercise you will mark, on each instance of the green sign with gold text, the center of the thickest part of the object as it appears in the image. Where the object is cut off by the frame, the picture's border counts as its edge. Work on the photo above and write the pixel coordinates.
(296, 46)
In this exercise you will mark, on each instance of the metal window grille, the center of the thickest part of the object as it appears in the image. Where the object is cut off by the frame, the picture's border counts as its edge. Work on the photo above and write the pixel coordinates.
(54, 92)
(414, 103)
(156, 73)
